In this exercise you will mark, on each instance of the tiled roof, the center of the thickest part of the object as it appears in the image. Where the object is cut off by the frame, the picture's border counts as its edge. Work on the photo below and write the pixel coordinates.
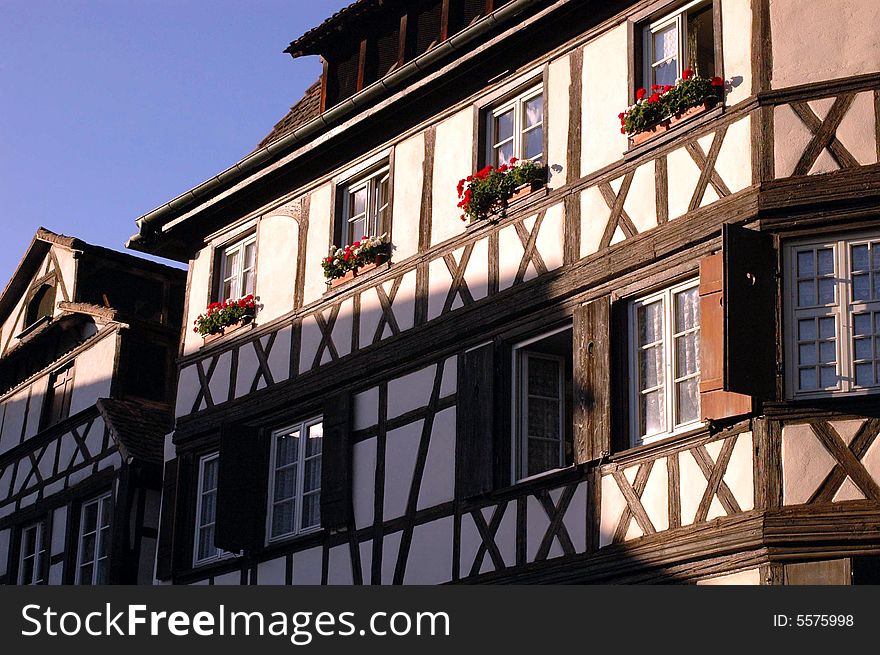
(307, 108)
(139, 428)
(303, 44)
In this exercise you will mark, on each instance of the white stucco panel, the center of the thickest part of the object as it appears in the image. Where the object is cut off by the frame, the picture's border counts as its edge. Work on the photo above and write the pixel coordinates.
(476, 275)
(438, 481)
(279, 357)
(93, 374)
(439, 281)
(273, 571)
(641, 201)
(452, 161)
(736, 24)
(683, 177)
(594, 218)
(309, 342)
(537, 523)
(409, 157)
(805, 464)
(276, 273)
(364, 482)
(307, 565)
(402, 447)
(747, 577)
(187, 390)
(734, 163)
(739, 476)
(317, 245)
(339, 570)
(197, 296)
(410, 391)
(551, 237)
(605, 94)
(430, 554)
(856, 131)
(366, 408)
(613, 504)
(390, 552)
(558, 88)
(510, 254)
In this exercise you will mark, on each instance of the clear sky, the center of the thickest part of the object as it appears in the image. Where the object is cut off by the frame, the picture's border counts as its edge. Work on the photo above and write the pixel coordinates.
(109, 108)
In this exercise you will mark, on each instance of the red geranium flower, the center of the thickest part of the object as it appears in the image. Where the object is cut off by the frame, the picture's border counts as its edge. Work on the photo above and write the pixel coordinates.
(717, 81)
(687, 74)
(640, 94)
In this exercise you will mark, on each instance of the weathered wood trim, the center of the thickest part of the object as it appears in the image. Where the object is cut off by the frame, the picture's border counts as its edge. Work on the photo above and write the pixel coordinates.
(761, 46)
(426, 214)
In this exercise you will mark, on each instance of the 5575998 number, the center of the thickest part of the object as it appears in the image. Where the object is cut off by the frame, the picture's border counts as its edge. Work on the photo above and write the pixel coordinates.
(813, 621)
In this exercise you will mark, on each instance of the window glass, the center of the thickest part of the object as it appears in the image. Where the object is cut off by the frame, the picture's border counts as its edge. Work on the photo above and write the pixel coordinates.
(207, 509)
(94, 542)
(296, 479)
(682, 39)
(365, 210)
(515, 128)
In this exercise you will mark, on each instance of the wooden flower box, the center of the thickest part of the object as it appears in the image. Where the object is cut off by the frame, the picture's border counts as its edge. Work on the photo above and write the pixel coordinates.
(229, 329)
(350, 275)
(525, 189)
(640, 137)
(499, 208)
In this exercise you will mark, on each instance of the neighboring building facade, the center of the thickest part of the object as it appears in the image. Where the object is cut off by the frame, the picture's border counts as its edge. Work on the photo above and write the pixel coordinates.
(86, 390)
(582, 389)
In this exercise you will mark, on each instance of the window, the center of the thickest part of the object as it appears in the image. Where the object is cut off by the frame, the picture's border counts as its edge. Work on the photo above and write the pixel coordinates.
(664, 362)
(206, 510)
(543, 392)
(682, 39)
(833, 326)
(295, 484)
(365, 204)
(58, 395)
(93, 567)
(515, 128)
(41, 304)
(238, 264)
(33, 555)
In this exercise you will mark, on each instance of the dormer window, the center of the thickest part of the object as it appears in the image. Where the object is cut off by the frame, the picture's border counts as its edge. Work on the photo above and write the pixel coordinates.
(41, 304)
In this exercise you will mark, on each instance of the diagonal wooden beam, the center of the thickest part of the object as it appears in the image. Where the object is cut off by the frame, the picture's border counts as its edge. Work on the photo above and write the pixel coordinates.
(264, 371)
(556, 514)
(706, 164)
(459, 285)
(618, 216)
(204, 383)
(487, 534)
(386, 300)
(633, 495)
(824, 134)
(326, 328)
(835, 445)
(529, 241)
(715, 485)
(859, 446)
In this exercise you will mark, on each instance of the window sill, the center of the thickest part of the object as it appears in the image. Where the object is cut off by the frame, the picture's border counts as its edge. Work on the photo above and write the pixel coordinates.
(675, 441)
(674, 132)
(517, 203)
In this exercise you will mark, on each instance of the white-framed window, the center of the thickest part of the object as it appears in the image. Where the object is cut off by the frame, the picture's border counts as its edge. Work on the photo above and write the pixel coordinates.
(665, 362)
(684, 38)
(93, 565)
(365, 204)
(238, 264)
(542, 392)
(832, 327)
(31, 560)
(206, 510)
(515, 128)
(295, 480)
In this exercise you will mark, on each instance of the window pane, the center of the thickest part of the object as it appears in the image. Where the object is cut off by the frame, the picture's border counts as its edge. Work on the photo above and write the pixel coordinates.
(315, 440)
(90, 517)
(826, 327)
(807, 353)
(285, 483)
(864, 374)
(807, 293)
(543, 377)
(701, 41)
(666, 43)
(828, 377)
(533, 112)
(687, 309)
(311, 511)
(312, 478)
(650, 318)
(206, 543)
(860, 258)
(826, 261)
(687, 401)
(503, 126)
(250, 255)
(533, 143)
(807, 378)
(358, 202)
(665, 74)
(653, 412)
(861, 286)
(282, 518)
(287, 449)
(807, 329)
(686, 355)
(543, 456)
(85, 574)
(650, 368)
(826, 291)
(504, 153)
(805, 264)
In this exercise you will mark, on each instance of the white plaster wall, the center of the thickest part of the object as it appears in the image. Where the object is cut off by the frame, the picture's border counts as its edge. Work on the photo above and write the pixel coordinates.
(605, 80)
(747, 577)
(558, 86)
(93, 374)
(318, 244)
(198, 295)
(339, 570)
(409, 158)
(273, 571)
(307, 566)
(13, 412)
(364, 482)
(400, 459)
(276, 268)
(736, 25)
(815, 41)
(438, 480)
(430, 554)
(453, 154)
(805, 464)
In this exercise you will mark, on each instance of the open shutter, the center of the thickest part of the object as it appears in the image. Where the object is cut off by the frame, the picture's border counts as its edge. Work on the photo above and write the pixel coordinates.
(737, 309)
(475, 454)
(592, 383)
(241, 489)
(749, 312)
(336, 503)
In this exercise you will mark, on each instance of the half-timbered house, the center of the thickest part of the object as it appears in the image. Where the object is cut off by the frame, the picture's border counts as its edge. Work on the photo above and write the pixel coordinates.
(660, 366)
(89, 337)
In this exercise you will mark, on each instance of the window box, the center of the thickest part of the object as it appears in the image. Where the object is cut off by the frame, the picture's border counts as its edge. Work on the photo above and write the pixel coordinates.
(229, 329)
(490, 190)
(221, 318)
(640, 137)
(357, 272)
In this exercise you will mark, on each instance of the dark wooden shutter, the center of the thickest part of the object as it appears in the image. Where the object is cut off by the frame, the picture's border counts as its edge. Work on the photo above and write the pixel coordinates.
(737, 324)
(749, 312)
(241, 488)
(336, 502)
(475, 430)
(182, 518)
(592, 383)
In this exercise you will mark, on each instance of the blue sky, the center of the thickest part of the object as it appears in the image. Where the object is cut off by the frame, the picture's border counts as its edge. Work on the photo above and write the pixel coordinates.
(109, 108)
